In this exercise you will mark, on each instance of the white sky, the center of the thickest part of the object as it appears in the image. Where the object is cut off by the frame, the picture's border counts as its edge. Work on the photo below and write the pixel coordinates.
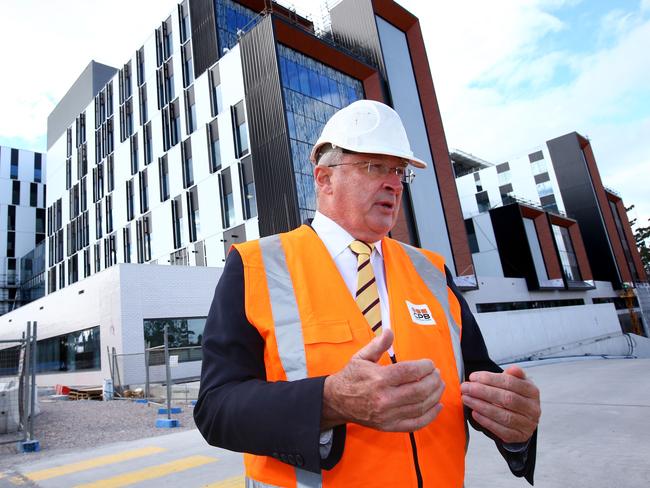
(509, 74)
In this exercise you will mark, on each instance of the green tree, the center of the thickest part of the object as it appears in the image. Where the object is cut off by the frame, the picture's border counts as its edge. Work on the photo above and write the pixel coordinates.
(642, 238)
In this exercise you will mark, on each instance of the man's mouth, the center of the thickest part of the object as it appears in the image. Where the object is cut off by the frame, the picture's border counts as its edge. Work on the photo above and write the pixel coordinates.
(386, 204)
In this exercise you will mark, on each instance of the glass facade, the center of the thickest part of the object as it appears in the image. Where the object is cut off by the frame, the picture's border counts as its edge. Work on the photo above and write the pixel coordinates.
(231, 17)
(313, 92)
(75, 351)
(183, 332)
(567, 254)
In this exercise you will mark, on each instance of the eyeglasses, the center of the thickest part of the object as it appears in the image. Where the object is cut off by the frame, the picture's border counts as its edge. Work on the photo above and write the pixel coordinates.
(405, 174)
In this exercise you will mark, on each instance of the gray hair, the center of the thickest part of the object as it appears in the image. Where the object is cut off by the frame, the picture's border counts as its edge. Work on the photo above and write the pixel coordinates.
(329, 155)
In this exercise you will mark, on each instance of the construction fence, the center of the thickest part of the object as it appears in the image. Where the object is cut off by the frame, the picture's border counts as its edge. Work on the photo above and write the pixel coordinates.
(18, 405)
(160, 374)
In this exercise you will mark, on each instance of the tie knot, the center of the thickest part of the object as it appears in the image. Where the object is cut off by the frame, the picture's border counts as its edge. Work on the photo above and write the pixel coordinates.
(360, 247)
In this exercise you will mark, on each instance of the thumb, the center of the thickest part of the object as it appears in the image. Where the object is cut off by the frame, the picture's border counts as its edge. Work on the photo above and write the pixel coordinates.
(516, 371)
(376, 347)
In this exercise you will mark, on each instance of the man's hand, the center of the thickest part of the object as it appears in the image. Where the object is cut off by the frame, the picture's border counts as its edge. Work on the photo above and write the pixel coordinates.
(400, 397)
(507, 404)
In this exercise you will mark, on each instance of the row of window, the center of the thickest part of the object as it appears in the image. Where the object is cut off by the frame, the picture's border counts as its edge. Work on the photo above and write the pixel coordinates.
(13, 165)
(33, 193)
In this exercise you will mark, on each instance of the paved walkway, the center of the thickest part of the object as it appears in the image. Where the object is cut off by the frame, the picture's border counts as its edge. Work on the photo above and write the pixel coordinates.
(595, 432)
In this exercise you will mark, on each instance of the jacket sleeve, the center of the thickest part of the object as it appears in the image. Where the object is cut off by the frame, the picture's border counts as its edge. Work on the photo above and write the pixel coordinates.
(476, 358)
(237, 408)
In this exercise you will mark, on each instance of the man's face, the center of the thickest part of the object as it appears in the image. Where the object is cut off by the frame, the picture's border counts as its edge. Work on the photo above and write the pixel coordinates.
(364, 203)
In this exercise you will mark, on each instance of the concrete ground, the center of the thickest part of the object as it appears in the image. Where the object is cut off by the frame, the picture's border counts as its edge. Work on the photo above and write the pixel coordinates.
(594, 432)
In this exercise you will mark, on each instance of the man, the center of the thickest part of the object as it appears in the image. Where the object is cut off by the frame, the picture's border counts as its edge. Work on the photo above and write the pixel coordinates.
(336, 356)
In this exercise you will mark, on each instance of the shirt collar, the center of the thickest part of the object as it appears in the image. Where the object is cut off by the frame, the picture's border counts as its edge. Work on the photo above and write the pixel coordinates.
(335, 237)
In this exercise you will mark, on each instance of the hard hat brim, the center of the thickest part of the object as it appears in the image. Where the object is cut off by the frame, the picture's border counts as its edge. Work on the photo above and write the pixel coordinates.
(412, 160)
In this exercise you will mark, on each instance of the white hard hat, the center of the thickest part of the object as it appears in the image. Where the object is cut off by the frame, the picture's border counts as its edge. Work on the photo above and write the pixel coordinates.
(366, 126)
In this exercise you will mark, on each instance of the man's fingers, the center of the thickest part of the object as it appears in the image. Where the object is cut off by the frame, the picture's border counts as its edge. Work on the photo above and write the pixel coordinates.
(408, 371)
(376, 347)
(504, 381)
(516, 371)
(504, 417)
(506, 434)
(416, 423)
(504, 398)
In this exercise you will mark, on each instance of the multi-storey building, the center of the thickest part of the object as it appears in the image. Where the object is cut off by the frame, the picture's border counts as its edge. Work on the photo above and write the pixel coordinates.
(547, 218)
(202, 138)
(563, 179)
(22, 218)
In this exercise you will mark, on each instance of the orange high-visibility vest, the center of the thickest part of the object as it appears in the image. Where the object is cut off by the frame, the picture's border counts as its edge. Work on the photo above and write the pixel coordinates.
(311, 325)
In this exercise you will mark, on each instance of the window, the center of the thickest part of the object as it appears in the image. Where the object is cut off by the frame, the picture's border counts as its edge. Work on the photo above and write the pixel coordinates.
(214, 80)
(148, 150)
(477, 181)
(214, 149)
(61, 275)
(134, 154)
(82, 160)
(144, 114)
(144, 191)
(98, 220)
(97, 251)
(567, 254)
(15, 192)
(188, 72)
(98, 182)
(110, 250)
(190, 110)
(126, 240)
(624, 243)
(109, 213)
(248, 188)
(130, 208)
(143, 236)
(139, 58)
(83, 195)
(14, 164)
(506, 194)
(86, 263)
(175, 122)
(188, 170)
(193, 213)
(168, 82)
(68, 173)
(163, 178)
(508, 306)
(548, 203)
(33, 195)
(11, 244)
(241, 129)
(110, 173)
(471, 236)
(75, 351)
(73, 269)
(503, 173)
(184, 22)
(40, 220)
(38, 168)
(483, 201)
(182, 332)
(536, 156)
(227, 201)
(177, 221)
(11, 217)
(544, 188)
(68, 137)
(126, 120)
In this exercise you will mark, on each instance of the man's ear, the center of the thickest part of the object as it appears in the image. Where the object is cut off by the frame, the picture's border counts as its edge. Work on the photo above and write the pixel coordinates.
(322, 177)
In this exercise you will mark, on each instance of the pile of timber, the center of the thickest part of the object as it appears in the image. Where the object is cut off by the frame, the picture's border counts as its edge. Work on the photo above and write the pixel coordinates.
(89, 393)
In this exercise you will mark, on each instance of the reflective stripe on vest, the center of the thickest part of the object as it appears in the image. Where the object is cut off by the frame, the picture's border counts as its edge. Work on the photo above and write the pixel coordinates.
(305, 479)
(436, 281)
(288, 334)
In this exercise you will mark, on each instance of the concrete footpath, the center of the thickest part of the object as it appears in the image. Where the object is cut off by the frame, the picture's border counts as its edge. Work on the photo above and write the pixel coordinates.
(594, 432)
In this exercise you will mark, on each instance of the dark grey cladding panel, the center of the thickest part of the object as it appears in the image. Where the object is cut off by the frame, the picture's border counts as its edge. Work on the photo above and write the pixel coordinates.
(512, 244)
(272, 166)
(204, 35)
(580, 202)
(80, 94)
(354, 27)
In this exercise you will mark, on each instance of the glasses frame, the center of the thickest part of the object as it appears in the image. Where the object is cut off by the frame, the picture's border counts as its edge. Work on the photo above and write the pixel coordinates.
(406, 178)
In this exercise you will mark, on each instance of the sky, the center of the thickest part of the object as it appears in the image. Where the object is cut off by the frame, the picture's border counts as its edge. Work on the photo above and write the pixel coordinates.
(509, 74)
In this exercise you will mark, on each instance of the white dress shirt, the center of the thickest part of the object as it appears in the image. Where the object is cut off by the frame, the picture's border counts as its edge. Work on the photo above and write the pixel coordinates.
(337, 240)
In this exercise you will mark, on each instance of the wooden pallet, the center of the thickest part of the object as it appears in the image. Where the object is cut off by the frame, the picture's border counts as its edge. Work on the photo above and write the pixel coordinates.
(85, 394)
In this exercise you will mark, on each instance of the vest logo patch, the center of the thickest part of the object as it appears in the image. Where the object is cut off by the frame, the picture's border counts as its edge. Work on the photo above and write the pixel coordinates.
(420, 314)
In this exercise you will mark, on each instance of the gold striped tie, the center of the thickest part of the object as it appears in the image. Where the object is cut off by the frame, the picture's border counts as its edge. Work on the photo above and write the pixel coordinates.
(367, 296)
